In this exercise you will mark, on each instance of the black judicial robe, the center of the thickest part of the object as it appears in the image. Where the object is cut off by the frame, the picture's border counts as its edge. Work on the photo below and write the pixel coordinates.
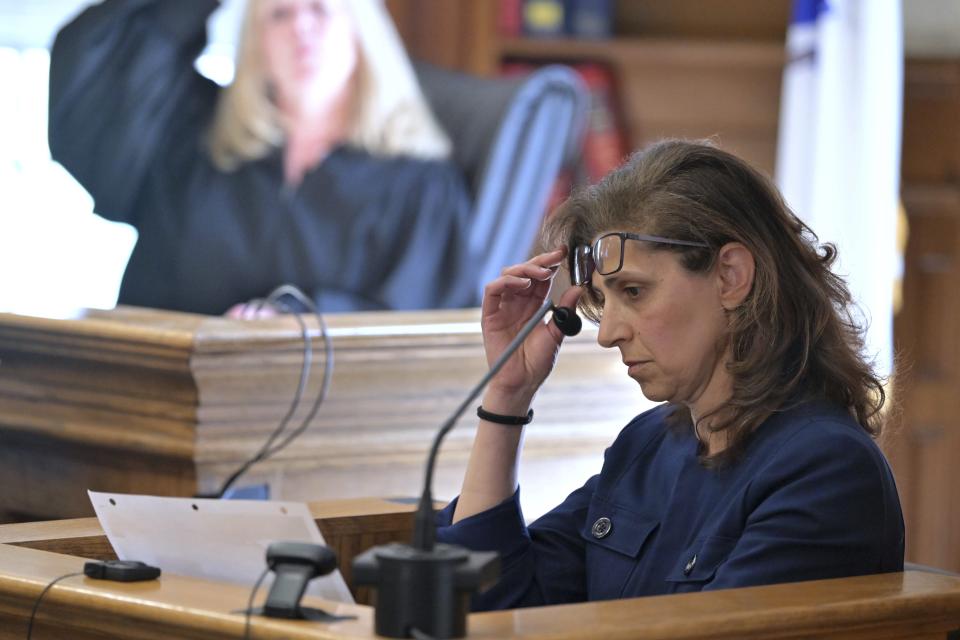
(128, 118)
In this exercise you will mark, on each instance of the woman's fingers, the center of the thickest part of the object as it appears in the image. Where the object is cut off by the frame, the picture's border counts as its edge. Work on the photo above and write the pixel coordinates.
(265, 311)
(528, 270)
(571, 297)
(550, 258)
(519, 277)
(540, 266)
(511, 287)
(495, 291)
(253, 310)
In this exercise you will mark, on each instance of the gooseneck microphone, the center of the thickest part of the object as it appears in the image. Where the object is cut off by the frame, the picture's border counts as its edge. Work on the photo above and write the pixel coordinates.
(425, 588)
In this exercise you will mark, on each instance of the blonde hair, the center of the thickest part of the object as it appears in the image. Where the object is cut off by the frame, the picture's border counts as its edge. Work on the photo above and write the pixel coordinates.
(392, 116)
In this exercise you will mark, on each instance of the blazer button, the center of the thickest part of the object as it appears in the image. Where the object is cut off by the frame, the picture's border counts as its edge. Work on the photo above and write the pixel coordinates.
(601, 527)
(691, 563)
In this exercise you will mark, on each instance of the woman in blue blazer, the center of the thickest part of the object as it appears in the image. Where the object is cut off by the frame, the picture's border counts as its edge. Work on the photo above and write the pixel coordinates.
(759, 467)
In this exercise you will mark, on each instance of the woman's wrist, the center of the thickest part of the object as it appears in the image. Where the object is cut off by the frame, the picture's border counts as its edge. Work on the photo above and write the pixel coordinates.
(499, 418)
(506, 403)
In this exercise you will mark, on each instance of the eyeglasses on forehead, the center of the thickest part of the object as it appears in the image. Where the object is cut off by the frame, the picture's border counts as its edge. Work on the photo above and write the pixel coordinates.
(605, 257)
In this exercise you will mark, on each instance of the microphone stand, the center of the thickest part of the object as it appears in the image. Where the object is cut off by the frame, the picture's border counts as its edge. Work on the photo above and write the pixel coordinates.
(425, 588)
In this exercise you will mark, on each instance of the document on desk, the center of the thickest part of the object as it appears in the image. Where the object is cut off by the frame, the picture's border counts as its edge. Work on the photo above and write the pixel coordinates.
(215, 539)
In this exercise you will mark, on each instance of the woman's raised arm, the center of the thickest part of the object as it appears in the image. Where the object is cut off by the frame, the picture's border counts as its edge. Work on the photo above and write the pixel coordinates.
(508, 303)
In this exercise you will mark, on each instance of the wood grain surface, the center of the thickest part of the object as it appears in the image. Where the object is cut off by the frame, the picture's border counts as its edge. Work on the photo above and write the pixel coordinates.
(165, 403)
(908, 605)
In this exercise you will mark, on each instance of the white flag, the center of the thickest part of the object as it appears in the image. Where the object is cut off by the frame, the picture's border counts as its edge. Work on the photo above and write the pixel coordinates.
(838, 154)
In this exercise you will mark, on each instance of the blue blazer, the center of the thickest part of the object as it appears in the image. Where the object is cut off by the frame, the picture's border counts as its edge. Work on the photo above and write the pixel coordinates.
(812, 497)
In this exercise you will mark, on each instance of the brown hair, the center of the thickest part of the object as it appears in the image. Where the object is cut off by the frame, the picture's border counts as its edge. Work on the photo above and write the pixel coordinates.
(795, 336)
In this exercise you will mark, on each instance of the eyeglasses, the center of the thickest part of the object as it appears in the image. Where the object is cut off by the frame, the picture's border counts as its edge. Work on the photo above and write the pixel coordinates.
(606, 255)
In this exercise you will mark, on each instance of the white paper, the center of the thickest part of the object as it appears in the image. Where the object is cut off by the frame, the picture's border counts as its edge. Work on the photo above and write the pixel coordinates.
(223, 540)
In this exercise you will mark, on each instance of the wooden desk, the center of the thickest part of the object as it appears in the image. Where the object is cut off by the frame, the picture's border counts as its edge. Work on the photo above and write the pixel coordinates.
(917, 605)
(164, 403)
(910, 605)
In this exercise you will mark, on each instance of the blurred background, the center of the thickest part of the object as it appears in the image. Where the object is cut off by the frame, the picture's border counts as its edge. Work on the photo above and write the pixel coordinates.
(690, 68)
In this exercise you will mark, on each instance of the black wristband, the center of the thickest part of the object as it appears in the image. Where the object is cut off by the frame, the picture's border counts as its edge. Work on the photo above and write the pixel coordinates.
(500, 419)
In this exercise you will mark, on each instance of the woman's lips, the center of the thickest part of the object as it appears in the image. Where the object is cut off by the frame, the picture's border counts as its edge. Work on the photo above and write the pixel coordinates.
(633, 367)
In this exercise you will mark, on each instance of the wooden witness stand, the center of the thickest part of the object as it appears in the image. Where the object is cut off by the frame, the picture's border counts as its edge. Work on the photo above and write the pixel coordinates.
(164, 403)
(902, 605)
(156, 402)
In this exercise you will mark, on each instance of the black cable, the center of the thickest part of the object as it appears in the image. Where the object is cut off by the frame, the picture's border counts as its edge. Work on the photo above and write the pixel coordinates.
(36, 604)
(253, 593)
(327, 370)
(416, 634)
(266, 450)
(294, 404)
(263, 452)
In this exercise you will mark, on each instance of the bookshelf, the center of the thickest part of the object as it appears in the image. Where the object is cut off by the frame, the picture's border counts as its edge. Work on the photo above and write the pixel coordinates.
(685, 68)
(626, 51)
(691, 68)
(687, 87)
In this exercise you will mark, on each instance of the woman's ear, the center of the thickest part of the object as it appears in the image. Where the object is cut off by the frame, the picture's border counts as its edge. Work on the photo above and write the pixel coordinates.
(735, 270)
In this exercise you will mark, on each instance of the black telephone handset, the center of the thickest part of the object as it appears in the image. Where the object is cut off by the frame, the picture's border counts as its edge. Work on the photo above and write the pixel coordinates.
(120, 570)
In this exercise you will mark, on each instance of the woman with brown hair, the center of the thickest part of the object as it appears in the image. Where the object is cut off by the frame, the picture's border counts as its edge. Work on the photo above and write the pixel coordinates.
(760, 465)
(320, 165)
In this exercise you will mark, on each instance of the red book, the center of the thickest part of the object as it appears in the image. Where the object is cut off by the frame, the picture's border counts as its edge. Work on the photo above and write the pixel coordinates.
(605, 144)
(510, 18)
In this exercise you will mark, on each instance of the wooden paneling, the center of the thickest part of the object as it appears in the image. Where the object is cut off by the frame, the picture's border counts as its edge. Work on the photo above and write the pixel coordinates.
(924, 446)
(456, 35)
(44, 476)
(735, 20)
(166, 403)
(931, 123)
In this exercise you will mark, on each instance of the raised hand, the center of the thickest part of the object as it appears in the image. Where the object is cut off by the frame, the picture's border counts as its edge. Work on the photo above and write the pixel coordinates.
(508, 303)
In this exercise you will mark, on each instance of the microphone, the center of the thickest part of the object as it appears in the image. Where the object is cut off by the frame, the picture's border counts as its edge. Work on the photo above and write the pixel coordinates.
(567, 320)
(425, 588)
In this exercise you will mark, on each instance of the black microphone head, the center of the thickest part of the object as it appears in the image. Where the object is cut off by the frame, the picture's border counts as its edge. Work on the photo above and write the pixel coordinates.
(567, 321)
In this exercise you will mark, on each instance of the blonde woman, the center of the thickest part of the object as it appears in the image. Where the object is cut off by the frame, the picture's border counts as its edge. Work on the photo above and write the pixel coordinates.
(320, 165)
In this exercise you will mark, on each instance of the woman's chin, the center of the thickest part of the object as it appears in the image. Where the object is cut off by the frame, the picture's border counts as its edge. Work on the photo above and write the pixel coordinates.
(651, 392)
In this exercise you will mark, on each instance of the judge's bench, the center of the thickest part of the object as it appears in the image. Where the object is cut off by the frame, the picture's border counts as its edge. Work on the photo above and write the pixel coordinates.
(156, 402)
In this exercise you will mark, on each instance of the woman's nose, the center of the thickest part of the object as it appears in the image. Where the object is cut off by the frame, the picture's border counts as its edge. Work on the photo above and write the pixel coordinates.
(613, 330)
